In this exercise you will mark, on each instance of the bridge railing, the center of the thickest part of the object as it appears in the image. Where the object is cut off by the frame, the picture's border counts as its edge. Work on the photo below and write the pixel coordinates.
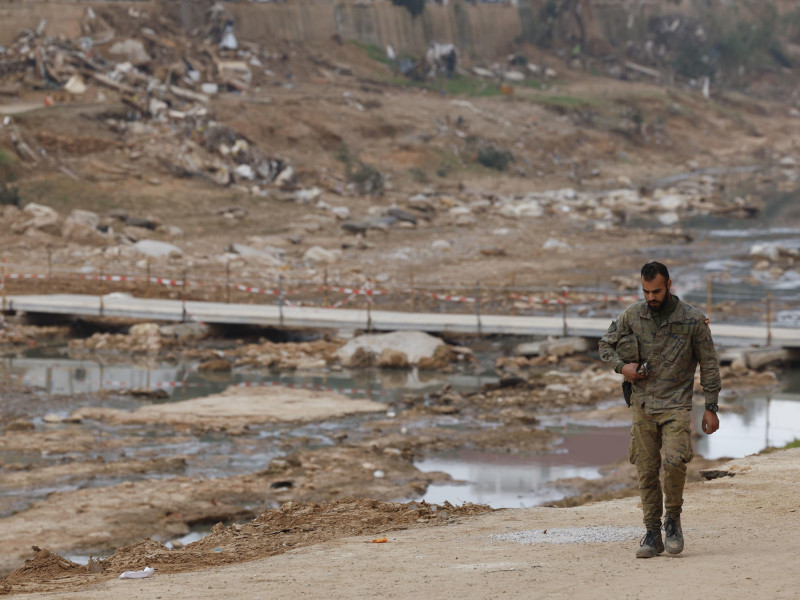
(511, 297)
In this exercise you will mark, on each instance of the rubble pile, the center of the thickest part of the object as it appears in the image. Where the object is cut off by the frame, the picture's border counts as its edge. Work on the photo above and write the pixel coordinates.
(164, 78)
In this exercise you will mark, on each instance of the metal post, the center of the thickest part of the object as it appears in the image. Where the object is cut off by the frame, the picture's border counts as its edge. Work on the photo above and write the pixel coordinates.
(280, 299)
(564, 311)
(512, 284)
(227, 282)
(325, 288)
(478, 307)
(100, 291)
(4, 287)
(411, 300)
(183, 298)
(769, 318)
(368, 289)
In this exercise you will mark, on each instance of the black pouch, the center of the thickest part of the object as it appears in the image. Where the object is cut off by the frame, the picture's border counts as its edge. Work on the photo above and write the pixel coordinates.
(627, 390)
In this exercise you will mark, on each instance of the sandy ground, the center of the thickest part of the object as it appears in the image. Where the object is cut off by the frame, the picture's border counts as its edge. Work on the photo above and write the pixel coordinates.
(741, 542)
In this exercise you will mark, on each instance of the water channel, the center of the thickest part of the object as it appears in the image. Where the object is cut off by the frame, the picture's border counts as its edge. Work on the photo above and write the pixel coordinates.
(759, 420)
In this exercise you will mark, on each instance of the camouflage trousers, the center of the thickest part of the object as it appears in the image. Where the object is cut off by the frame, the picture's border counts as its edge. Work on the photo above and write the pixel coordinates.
(670, 431)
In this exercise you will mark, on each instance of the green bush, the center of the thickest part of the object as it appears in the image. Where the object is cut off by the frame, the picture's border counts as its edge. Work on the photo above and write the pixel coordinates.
(368, 179)
(9, 195)
(494, 158)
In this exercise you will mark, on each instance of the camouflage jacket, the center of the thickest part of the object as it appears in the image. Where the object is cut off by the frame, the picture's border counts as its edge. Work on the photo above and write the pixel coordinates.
(672, 350)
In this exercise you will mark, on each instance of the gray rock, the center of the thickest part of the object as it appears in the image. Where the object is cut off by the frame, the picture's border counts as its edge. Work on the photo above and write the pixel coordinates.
(414, 344)
(318, 254)
(38, 216)
(272, 257)
(402, 215)
(157, 249)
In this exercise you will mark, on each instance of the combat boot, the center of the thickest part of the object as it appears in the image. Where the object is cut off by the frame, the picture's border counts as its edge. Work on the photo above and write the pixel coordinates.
(651, 545)
(674, 538)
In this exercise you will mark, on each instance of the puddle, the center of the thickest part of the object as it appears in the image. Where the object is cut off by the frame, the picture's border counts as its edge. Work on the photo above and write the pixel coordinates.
(497, 480)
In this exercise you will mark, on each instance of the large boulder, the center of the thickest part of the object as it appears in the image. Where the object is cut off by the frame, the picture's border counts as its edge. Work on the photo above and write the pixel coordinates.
(81, 226)
(415, 345)
(37, 216)
(157, 249)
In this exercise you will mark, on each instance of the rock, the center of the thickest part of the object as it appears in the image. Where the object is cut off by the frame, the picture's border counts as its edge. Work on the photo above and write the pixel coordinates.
(318, 254)
(81, 226)
(668, 219)
(150, 223)
(130, 50)
(414, 344)
(156, 249)
(514, 76)
(556, 347)
(672, 202)
(402, 215)
(765, 251)
(440, 361)
(219, 365)
(75, 85)
(441, 245)
(340, 212)
(360, 358)
(761, 357)
(308, 196)
(37, 216)
(557, 245)
(392, 359)
(525, 208)
(262, 256)
(481, 72)
(183, 332)
(244, 173)
(52, 418)
(20, 425)
(145, 330)
(421, 203)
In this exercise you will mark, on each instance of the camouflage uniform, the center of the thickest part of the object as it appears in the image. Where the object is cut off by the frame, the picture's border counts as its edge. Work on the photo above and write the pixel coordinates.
(662, 402)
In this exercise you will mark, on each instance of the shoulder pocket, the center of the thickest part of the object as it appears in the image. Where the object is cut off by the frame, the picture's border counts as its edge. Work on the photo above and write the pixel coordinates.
(628, 348)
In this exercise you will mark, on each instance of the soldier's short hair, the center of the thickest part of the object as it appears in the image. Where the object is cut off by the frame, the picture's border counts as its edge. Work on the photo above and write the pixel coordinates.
(652, 269)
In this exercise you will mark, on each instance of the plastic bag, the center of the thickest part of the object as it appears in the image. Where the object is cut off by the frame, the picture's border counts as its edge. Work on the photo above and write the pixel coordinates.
(146, 572)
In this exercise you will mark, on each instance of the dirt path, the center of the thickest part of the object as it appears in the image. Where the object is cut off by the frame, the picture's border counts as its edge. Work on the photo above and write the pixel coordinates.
(741, 542)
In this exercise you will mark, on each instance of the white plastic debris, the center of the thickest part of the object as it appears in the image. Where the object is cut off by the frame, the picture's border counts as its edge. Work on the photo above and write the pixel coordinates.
(146, 572)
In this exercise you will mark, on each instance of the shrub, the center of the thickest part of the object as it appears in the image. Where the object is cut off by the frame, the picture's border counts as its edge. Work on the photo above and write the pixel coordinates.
(494, 158)
(368, 179)
(9, 195)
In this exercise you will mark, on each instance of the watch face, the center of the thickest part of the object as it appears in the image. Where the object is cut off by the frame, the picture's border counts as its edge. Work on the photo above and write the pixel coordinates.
(712, 407)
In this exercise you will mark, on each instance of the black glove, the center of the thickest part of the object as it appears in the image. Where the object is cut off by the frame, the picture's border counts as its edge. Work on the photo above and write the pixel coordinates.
(627, 390)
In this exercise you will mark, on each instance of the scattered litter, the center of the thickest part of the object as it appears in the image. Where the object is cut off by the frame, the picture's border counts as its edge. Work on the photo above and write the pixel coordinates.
(146, 572)
(382, 540)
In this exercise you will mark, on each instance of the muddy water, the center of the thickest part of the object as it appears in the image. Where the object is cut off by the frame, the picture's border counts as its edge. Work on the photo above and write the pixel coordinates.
(759, 421)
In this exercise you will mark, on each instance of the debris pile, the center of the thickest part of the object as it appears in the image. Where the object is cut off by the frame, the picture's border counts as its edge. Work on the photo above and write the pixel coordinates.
(164, 78)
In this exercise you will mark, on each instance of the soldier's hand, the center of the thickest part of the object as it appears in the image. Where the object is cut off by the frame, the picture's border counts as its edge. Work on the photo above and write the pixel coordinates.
(710, 422)
(629, 371)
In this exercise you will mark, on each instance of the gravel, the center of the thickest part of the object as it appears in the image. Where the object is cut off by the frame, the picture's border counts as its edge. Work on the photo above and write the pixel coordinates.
(572, 535)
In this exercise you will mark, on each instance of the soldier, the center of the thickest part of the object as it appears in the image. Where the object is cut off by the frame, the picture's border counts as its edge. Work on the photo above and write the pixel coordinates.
(657, 344)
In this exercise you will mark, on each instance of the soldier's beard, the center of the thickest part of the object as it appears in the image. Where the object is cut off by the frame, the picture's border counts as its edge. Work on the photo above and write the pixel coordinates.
(657, 306)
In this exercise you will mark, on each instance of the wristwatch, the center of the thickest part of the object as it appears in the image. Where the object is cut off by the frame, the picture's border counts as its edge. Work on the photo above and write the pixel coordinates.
(712, 407)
